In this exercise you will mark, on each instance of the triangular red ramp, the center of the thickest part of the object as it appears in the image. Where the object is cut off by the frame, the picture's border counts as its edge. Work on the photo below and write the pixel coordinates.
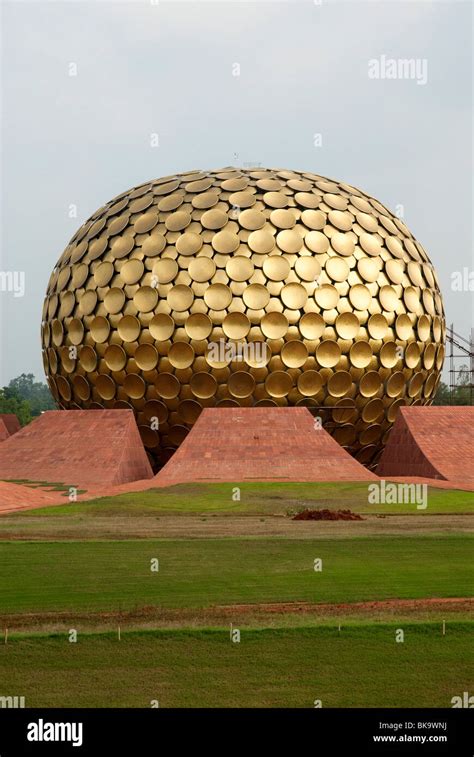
(260, 444)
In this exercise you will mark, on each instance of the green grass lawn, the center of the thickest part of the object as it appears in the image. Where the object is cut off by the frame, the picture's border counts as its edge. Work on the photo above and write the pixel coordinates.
(262, 497)
(362, 666)
(98, 575)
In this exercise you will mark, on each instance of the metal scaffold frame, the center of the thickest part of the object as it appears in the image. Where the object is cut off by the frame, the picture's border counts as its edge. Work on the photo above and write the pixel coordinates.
(465, 349)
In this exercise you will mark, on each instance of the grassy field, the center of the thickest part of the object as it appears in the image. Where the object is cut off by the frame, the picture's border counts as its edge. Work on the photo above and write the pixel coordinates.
(360, 666)
(261, 498)
(101, 576)
(88, 566)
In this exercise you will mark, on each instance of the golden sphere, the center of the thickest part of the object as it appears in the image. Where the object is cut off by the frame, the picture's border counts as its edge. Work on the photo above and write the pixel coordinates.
(245, 287)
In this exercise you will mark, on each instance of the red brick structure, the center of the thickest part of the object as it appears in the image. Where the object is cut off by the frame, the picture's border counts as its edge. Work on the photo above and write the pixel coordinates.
(260, 444)
(9, 425)
(431, 442)
(3, 430)
(14, 497)
(85, 448)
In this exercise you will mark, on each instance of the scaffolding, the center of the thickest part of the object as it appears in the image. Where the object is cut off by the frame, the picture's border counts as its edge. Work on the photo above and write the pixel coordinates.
(465, 348)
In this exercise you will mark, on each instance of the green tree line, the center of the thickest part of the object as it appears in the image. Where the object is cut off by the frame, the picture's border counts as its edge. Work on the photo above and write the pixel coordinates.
(26, 398)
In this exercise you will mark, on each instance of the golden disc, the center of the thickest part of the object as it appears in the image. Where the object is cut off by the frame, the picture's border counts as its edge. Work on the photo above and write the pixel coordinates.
(276, 268)
(145, 299)
(180, 297)
(294, 353)
(241, 384)
(181, 355)
(256, 296)
(370, 383)
(189, 411)
(132, 271)
(313, 219)
(189, 243)
(165, 270)
(360, 354)
(203, 385)
(311, 326)
(396, 384)
(339, 383)
(377, 326)
(309, 383)
(218, 296)
(99, 328)
(403, 327)
(252, 219)
(294, 296)
(88, 359)
(347, 325)
(275, 325)
(161, 327)
(239, 268)
(202, 269)
(146, 357)
(328, 353)
(282, 219)
(326, 296)
(337, 269)
(261, 241)
(105, 386)
(307, 268)
(360, 296)
(129, 328)
(114, 300)
(134, 386)
(278, 384)
(198, 326)
(115, 357)
(225, 242)
(289, 241)
(236, 325)
(167, 386)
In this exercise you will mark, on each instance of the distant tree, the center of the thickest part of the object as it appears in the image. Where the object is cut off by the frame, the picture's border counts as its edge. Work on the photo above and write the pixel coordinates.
(11, 402)
(461, 394)
(36, 393)
(443, 394)
(464, 376)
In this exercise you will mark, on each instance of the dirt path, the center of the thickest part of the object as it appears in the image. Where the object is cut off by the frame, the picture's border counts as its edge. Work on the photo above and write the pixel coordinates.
(211, 526)
(266, 614)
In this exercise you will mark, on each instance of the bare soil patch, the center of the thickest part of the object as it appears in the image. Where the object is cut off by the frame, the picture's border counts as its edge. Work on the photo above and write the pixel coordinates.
(262, 614)
(325, 514)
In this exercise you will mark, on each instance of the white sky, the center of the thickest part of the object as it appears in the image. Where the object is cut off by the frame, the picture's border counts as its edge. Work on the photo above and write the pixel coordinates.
(167, 68)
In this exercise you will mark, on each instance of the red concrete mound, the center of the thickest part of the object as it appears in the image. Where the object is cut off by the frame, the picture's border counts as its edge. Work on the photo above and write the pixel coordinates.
(15, 497)
(3, 430)
(260, 444)
(431, 442)
(10, 423)
(78, 447)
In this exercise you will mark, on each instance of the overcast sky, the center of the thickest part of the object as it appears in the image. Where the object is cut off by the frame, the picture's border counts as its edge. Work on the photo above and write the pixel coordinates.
(167, 68)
